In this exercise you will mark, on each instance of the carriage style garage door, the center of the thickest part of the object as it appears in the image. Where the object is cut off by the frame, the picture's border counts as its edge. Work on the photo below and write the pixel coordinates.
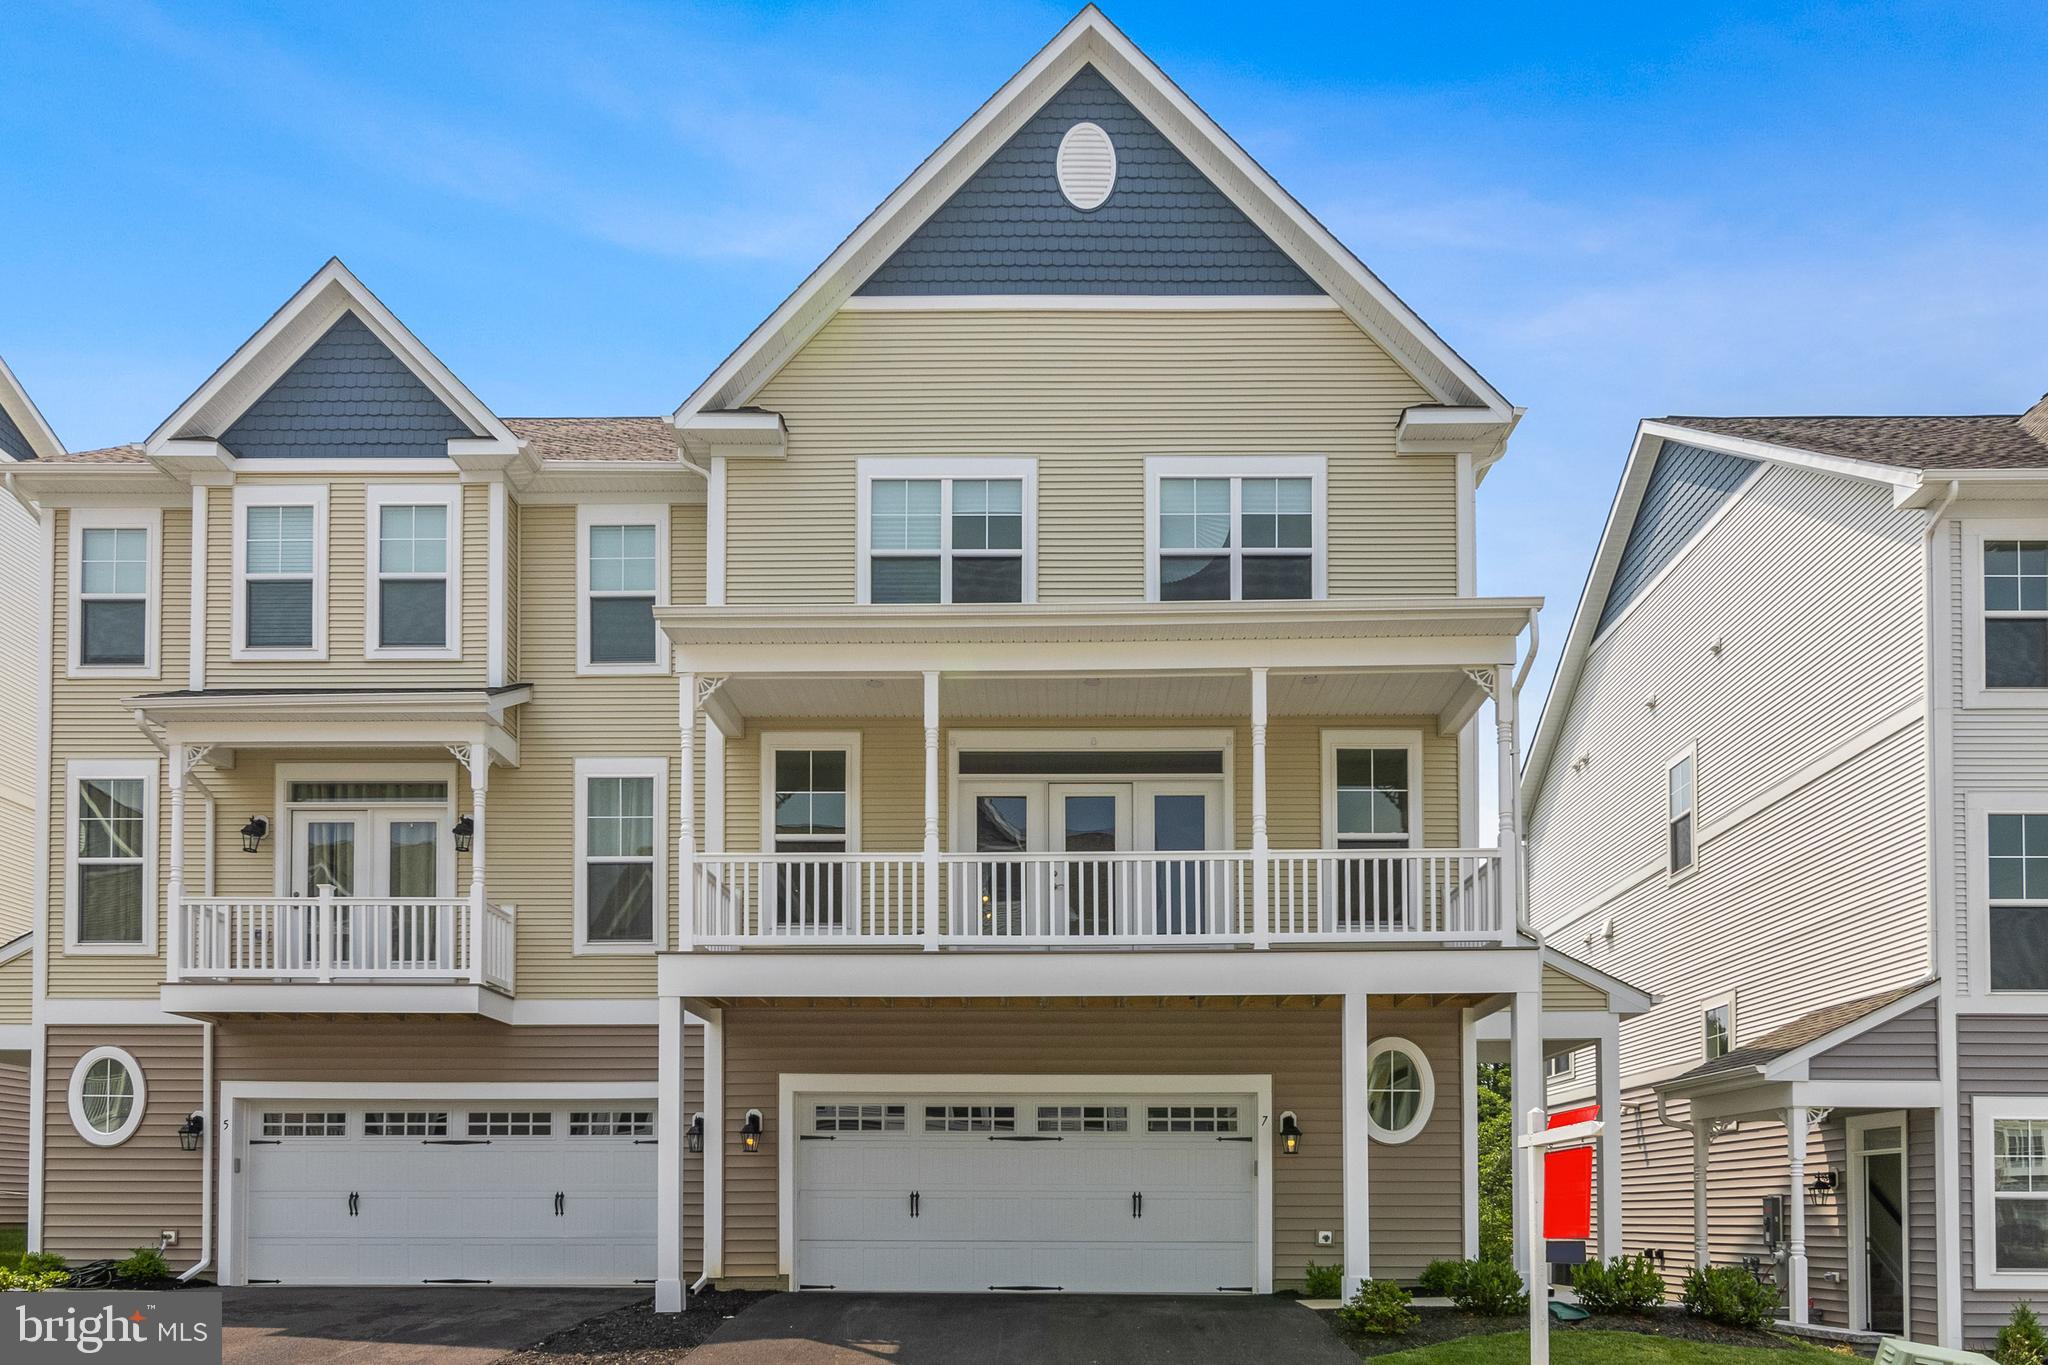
(498, 1192)
(1141, 1194)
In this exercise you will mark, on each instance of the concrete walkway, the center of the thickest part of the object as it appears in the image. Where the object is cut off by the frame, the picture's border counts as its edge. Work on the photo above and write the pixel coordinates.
(1019, 1329)
(278, 1325)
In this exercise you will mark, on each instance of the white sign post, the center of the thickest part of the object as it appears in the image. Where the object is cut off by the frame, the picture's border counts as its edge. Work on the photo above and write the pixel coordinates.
(1533, 1145)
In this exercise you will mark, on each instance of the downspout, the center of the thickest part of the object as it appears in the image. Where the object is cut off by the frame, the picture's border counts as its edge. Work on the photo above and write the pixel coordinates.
(206, 1146)
(1941, 950)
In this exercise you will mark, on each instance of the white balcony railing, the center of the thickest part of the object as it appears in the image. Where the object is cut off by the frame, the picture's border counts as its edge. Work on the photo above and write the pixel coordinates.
(328, 939)
(1169, 899)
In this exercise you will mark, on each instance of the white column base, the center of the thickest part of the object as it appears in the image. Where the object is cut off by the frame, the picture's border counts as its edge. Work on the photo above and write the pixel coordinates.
(668, 1296)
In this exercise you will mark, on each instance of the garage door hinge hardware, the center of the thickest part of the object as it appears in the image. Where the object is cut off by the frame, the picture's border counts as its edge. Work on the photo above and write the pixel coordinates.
(1023, 1137)
(457, 1142)
(455, 1282)
(255, 1281)
(647, 1142)
(558, 1203)
(1040, 1288)
(1234, 1289)
(355, 1203)
(1234, 1139)
(265, 1142)
(817, 1286)
(815, 1137)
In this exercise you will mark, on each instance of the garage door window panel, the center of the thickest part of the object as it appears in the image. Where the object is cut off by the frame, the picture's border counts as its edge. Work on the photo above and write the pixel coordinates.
(970, 1118)
(293, 1123)
(405, 1123)
(511, 1123)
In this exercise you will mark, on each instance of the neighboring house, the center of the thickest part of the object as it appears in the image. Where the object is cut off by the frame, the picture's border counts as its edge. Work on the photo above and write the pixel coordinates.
(984, 797)
(1793, 775)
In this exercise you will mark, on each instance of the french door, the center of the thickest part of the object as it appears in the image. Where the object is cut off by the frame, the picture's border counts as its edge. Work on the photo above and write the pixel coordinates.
(390, 855)
(1091, 818)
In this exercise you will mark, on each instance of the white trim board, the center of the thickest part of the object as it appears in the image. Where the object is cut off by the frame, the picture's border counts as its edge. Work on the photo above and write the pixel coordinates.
(789, 1084)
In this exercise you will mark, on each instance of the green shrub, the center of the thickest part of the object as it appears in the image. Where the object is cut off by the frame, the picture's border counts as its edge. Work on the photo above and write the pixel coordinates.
(1732, 1297)
(1441, 1279)
(2021, 1341)
(147, 1263)
(33, 1279)
(1626, 1284)
(1491, 1288)
(41, 1262)
(1380, 1308)
(1324, 1281)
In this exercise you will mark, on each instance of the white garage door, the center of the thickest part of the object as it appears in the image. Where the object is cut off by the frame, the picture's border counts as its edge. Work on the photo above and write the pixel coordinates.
(499, 1193)
(976, 1193)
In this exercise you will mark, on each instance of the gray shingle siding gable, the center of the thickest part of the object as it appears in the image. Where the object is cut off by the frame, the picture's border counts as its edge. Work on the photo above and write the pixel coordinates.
(347, 397)
(1686, 488)
(12, 440)
(1166, 228)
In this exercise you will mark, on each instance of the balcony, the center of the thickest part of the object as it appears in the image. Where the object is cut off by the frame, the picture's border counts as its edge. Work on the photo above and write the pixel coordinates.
(1044, 901)
(328, 954)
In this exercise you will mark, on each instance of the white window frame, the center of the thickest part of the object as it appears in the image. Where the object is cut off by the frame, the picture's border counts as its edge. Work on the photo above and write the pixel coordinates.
(1725, 1000)
(1689, 755)
(1979, 807)
(150, 520)
(1393, 1137)
(946, 471)
(777, 741)
(1333, 740)
(1858, 1126)
(77, 1097)
(656, 768)
(1985, 1111)
(1975, 533)
(621, 514)
(376, 497)
(281, 495)
(146, 771)
(1238, 468)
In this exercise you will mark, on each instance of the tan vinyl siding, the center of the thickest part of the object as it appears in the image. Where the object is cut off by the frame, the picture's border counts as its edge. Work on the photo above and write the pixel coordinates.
(14, 1125)
(17, 986)
(1417, 1190)
(87, 720)
(347, 593)
(1089, 395)
(892, 776)
(21, 647)
(514, 530)
(1561, 992)
(106, 1201)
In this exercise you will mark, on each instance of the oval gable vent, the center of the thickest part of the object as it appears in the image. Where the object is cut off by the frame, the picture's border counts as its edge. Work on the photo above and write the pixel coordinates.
(1087, 166)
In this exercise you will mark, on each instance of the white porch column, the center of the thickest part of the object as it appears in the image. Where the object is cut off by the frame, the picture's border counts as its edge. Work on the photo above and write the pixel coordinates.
(479, 786)
(714, 787)
(1351, 1052)
(670, 1125)
(686, 818)
(195, 621)
(1796, 1127)
(1526, 1079)
(1509, 836)
(1468, 1123)
(1702, 1161)
(713, 1021)
(181, 762)
(1608, 1068)
(1262, 863)
(931, 811)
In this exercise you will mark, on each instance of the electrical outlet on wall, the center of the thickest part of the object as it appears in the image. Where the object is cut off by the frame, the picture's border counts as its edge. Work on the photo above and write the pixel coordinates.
(170, 1236)
(1324, 1239)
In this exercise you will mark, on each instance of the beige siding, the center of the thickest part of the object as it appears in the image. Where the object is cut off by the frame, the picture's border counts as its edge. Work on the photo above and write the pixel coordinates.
(347, 589)
(1417, 1190)
(21, 647)
(14, 1121)
(17, 986)
(88, 721)
(1089, 395)
(1561, 992)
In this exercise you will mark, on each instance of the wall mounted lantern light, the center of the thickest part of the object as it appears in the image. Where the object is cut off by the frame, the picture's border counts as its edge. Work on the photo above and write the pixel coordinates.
(694, 1139)
(465, 833)
(253, 832)
(1290, 1134)
(189, 1132)
(750, 1132)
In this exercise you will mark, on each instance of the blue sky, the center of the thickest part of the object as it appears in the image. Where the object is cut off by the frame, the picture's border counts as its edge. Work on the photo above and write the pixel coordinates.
(1612, 210)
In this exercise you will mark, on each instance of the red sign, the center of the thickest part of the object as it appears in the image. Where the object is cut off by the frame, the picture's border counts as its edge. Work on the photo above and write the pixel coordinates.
(1568, 1183)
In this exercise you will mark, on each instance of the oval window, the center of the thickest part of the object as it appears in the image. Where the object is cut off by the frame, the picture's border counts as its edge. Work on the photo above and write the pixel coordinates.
(107, 1096)
(1400, 1089)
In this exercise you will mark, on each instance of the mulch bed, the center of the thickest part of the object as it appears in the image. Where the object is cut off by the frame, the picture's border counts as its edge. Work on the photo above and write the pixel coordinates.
(1449, 1324)
(637, 1335)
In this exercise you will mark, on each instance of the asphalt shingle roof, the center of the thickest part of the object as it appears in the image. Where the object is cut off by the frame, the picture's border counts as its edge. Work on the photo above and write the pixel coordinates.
(1767, 1048)
(597, 438)
(1985, 442)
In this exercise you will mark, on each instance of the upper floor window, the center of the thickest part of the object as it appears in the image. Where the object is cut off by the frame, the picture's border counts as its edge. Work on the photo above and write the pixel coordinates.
(1719, 1029)
(936, 531)
(2017, 910)
(414, 550)
(111, 854)
(280, 572)
(1224, 530)
(812, 785)
(2016, 613)
(622, 575)
(620, 858)
(1369, 802)
(114, 591)
(1678, 813)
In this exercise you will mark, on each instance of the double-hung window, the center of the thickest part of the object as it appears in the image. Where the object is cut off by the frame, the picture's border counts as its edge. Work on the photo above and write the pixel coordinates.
(620, 853)
(114, 591)
(622, 575)
(1718, 1028)
(947, 532)
(1679, 800)
(2016, 915)
(1370, 803)
(415, 540)
(2015, 589)
(2009, 1159)
(813, 786)
(112, 856)
(280, 573)
(1222, 530)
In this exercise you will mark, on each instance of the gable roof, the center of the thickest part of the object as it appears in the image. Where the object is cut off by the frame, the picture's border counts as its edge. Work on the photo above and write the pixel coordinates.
(1089, 39)
(309, 316)
(1814, 1032)
(2010, 441)
(24, 435)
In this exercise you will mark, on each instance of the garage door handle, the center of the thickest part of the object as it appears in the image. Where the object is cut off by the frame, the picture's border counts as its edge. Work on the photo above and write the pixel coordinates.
(1023, 1137)
(456, 1142)
(1137, 1206)
(558, 1203)
(1234, 1139)
(354, 1206)
(913, 1203)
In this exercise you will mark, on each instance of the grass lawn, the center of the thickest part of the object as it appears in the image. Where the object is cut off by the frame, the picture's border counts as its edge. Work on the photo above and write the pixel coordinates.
(1581, 1347)
(13, 1241)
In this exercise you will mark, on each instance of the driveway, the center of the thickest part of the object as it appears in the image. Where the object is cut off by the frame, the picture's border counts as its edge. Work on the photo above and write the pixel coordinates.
(1007, 1329)
(466, 1326)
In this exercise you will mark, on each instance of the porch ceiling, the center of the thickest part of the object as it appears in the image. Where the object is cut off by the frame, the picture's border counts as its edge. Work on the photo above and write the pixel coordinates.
(223, 720)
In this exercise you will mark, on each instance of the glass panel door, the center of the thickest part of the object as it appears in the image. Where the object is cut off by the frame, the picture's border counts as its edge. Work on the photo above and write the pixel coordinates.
(409, 873)
(327, 851)
(1002, 824)
(1185, 896)
(1880, 1196)
(1091, 819)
